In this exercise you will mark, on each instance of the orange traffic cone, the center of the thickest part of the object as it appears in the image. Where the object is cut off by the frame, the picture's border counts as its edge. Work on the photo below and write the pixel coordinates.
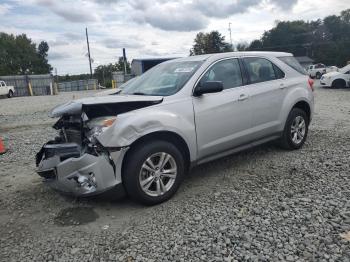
(2, 147)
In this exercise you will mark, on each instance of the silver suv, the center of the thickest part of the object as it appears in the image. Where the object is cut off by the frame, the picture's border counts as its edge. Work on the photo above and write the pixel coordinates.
(181, 113)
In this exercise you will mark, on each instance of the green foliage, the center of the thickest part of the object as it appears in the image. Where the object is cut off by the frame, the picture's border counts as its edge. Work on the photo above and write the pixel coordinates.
(19, 55)
(103, 73)
(325, 41)
(209, 43)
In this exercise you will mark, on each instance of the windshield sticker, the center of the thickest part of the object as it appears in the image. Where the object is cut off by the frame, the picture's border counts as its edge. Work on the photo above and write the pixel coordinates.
(184, 70)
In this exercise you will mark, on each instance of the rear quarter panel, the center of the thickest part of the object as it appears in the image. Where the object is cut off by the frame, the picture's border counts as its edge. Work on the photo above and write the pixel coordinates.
(297, 91)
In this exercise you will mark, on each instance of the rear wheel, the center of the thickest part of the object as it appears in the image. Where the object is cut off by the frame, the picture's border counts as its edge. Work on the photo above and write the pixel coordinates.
(10, 94)
(295, 130)
(339, 83)
(153, 172)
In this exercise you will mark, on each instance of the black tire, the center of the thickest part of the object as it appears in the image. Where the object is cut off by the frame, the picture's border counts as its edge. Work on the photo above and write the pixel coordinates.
(338, 83)
(10, 94)
(132, 168)
(286, 140)
(318, 75)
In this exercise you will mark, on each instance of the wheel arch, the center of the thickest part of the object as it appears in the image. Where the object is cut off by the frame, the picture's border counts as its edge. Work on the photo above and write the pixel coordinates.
(303, 105)
(338, 80)
(168, 136)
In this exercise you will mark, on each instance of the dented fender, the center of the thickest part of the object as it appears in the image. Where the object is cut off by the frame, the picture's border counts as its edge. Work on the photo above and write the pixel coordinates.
(177, 118)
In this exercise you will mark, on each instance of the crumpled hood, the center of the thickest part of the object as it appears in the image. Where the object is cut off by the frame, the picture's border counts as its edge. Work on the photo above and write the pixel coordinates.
(75, 107)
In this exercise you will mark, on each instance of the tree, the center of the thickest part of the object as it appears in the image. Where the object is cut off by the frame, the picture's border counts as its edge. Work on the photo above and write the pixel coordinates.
(242, 46)
(19, 55)
(103, 73)
(325, 41)
(209, 43)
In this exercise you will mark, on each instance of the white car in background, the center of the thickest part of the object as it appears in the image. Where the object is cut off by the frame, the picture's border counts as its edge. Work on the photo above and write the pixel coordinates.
(316, 71)
(332, 69)
(339, 79)
(6, 90)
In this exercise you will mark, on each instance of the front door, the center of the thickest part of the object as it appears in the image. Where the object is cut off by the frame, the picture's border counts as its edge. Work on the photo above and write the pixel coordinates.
(222, 119)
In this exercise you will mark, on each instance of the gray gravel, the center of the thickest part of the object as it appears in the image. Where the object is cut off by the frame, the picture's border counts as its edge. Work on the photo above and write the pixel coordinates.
(264, 204)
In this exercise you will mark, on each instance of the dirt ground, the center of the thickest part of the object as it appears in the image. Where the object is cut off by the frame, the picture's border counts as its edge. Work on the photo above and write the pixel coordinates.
(265, 204)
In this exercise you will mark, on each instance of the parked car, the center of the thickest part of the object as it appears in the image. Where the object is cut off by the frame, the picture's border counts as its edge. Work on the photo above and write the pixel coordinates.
(316, 71)
(331, 69)
(179, 114)
(339, 79)
(6, 90)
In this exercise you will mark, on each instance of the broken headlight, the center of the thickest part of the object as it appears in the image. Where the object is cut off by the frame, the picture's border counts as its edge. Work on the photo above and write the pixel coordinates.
(98, 125)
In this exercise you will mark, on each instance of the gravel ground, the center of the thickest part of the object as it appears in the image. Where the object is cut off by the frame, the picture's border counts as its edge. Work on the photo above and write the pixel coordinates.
(264, 204)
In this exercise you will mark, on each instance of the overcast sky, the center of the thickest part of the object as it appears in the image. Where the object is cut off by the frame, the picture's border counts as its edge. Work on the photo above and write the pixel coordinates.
(146, 28)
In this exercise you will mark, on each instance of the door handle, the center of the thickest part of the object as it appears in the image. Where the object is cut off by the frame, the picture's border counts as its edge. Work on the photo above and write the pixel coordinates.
(242, 97)
(282, 86)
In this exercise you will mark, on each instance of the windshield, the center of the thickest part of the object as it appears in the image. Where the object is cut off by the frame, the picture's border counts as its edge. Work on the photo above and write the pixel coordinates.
(344, 69)
(163, 80)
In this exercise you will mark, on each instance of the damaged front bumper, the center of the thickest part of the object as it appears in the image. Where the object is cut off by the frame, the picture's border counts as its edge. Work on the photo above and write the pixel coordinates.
(66, 168)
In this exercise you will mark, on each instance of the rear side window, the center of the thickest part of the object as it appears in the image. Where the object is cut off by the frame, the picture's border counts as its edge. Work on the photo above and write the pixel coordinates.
(226, 71)
(293, 63)
(261, 70)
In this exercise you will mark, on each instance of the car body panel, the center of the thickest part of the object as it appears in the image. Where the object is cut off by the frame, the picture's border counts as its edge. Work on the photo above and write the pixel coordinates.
(211, 125)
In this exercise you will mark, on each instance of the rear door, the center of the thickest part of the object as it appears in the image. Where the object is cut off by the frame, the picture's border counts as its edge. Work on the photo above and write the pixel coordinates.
(222, 119)
(267, 89)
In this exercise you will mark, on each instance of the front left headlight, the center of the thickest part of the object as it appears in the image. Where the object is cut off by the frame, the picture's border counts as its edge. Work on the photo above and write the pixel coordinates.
(99, 125)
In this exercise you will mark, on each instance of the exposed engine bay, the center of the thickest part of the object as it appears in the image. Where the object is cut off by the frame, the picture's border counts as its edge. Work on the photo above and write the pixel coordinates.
(75, 161)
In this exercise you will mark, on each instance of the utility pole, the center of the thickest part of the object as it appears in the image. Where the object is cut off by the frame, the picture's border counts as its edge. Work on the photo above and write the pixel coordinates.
(229, 29)
(124, 60)
(88, 46)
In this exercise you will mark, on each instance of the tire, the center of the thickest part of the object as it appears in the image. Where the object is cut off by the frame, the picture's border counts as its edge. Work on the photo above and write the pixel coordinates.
(338, 83)
(10, 94)
(318, 75)
(158, 187)
(290, 139)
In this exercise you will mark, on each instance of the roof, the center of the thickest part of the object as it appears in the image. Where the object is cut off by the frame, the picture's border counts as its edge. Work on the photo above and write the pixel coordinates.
(304, 59)
(228, 54)
(153, 59)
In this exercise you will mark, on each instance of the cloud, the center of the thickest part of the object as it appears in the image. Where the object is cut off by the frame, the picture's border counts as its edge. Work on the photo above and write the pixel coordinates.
(4, 8)
(58, 55)
(73, 36)
(182, 15)
(171, 16)
(284, 4)
(69, 12)
(114, 43)
(58, 42)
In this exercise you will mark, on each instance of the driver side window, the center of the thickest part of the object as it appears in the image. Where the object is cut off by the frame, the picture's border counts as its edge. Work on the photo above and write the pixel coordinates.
(226, 71)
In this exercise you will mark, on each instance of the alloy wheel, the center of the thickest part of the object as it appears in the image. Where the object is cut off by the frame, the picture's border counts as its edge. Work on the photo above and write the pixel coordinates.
(298, 130)
(158, 174)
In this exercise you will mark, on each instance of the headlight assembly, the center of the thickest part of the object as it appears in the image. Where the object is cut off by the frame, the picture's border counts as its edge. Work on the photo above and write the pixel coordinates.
(98, 125)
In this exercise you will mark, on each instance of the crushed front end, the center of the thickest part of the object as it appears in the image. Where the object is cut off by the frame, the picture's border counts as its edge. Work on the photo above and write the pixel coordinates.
(75, 162)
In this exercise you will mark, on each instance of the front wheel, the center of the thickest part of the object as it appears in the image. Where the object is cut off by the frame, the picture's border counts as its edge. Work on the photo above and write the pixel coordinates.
(153, 172)
(318, 75)
(295, 130)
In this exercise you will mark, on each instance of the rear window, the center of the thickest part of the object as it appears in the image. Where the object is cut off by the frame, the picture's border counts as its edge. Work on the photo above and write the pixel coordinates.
(293, 63)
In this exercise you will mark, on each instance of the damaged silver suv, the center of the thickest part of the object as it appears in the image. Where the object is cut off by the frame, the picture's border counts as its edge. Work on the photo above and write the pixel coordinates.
(181, 113)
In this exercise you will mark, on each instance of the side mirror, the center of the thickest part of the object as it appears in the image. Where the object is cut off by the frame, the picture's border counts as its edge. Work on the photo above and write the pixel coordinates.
(208, 87)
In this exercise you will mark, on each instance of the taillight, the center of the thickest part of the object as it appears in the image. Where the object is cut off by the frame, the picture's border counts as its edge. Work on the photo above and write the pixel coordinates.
(311, 84)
